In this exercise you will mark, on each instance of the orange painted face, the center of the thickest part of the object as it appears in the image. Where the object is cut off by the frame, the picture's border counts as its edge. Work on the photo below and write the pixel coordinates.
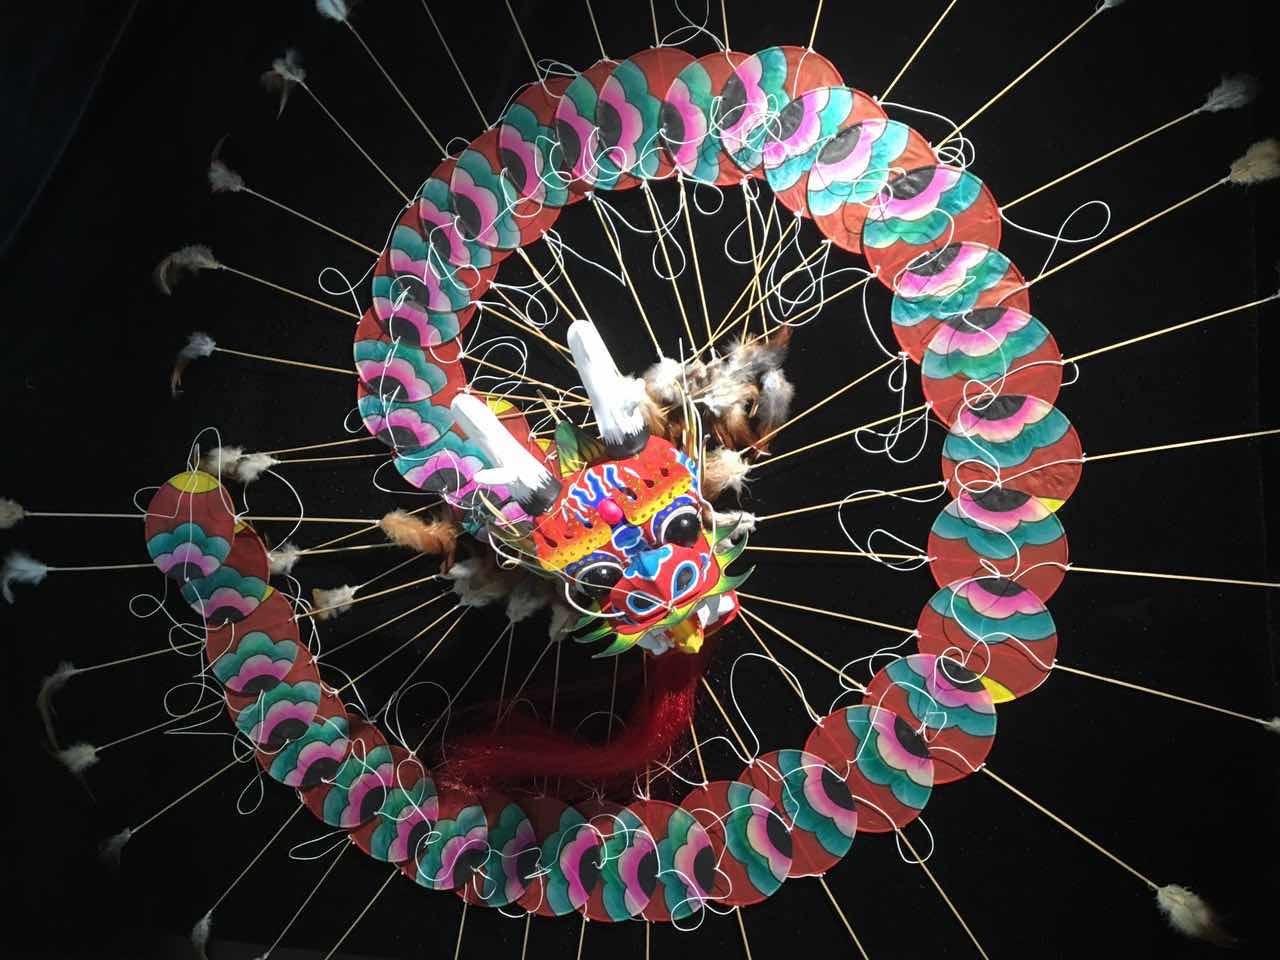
(627, 537)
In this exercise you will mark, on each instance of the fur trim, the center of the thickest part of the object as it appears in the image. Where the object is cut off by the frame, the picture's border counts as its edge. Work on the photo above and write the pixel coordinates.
(776, 394)
(478, 582)
(723, 469)
(178, 264)
(562, 620)
(740, 521)
(664, 380)
(1260, 163)
(527, 598)
(330, 604)
(11, 513)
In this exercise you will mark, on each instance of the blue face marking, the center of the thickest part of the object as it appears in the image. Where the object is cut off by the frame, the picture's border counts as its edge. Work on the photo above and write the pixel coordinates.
(628, 539)
(645, 564)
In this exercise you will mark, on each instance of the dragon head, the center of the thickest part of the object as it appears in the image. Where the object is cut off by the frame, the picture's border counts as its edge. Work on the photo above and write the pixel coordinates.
(623, 525)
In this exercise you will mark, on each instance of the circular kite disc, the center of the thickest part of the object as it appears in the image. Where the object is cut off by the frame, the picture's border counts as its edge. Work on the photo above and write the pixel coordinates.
(852, 168)
(503, 878)
(489, 208)
(803, 128)
(922, 210)
(817, 805)
(271, 622)
(456, 847)
(439, 223)
(357, 790)
(261, 651)
(999, 532)
(1015, 442)
(690, 128)
(235, 589)
(400, 371)
(686, 861)
(749, 839)
(404, 427)
(985, 353)
(886, 764)
(567, 868)
(412, 276)
(627, 863)
(947, 703)
(576, 153)
(299, 729)
(629, 115)
(402, 824)
(950, 282)
(526, 137)
(757, 91)
(189, 526)
(997, 628)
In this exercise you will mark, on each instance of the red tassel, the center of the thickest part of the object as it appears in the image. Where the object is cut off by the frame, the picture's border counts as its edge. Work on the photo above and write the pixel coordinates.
(660, 715)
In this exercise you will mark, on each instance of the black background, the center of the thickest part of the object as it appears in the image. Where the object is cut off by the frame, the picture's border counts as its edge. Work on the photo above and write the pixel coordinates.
(1184, 795)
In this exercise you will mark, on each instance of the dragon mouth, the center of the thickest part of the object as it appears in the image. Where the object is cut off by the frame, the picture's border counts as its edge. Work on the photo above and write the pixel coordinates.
(687, 633)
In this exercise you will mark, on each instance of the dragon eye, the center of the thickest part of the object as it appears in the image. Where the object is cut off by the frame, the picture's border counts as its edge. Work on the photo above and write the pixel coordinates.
(597, 579)
(683, 527)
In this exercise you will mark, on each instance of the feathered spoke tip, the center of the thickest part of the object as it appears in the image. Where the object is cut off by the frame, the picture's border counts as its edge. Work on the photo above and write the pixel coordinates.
(1235, 91)
(226, 462)
(1260, 163)
(283, 558)
(20, 567)
(197, 345)
(1108, 4)
(222, 179)
(110, 849)
(44, 699)
(79, 757)
(181, 262)
(723, 469)
(1190, 915)
(1273, 725)
(285, 73)
(333, 10)
(332, 603)
(11, 513)
(200, 935)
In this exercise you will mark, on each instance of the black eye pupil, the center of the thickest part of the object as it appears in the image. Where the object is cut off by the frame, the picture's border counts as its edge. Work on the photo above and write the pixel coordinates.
(596, 581)
(683, 529)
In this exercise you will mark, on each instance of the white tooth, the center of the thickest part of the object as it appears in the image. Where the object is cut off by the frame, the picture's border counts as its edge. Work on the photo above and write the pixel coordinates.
(703, 612)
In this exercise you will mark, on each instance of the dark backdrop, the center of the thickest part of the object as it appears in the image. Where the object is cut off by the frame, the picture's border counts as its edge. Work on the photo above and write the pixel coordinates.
(111, 113)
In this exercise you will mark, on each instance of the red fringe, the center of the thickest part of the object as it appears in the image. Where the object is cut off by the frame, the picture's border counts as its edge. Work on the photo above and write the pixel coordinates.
(659, 716)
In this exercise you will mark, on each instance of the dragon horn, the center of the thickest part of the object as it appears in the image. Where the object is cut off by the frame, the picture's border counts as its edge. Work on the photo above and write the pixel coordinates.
(615, 399)
(531, 483)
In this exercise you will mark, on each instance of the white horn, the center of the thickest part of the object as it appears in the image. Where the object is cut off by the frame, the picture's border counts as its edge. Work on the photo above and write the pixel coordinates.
(530, 481)
(615, 399)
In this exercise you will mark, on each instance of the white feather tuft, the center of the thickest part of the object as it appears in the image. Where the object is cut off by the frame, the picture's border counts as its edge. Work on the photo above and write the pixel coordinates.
(1273, 725)
(1190, 915)
(1260, 163)
(527, 598)
(251, 466)
(332, 603)
(200, 935)
(79, 757)
(178, 264)
(562, 620)
(11, 513)
(333, 9)
(284, 558)
(198, 345)
(723, 469)
(665, 380)
(476, 583)
(20, 567)
(1108, 4)
(44, 699)
(1234, 92)
(776, 394)
(740, 523)
(286, 72)
(222, 179)
(111, 848)
(221, 461)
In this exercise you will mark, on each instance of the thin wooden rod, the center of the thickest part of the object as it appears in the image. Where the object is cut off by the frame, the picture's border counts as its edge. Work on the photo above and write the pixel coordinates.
(1161, 693)
(840, 436)
(286, 290)
(915, 53)
(417, 116)
(1170, 329)
(830, 613)
(311, 220)
(666, 258)
(824, 401)
(847, 500)
(282, 360)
